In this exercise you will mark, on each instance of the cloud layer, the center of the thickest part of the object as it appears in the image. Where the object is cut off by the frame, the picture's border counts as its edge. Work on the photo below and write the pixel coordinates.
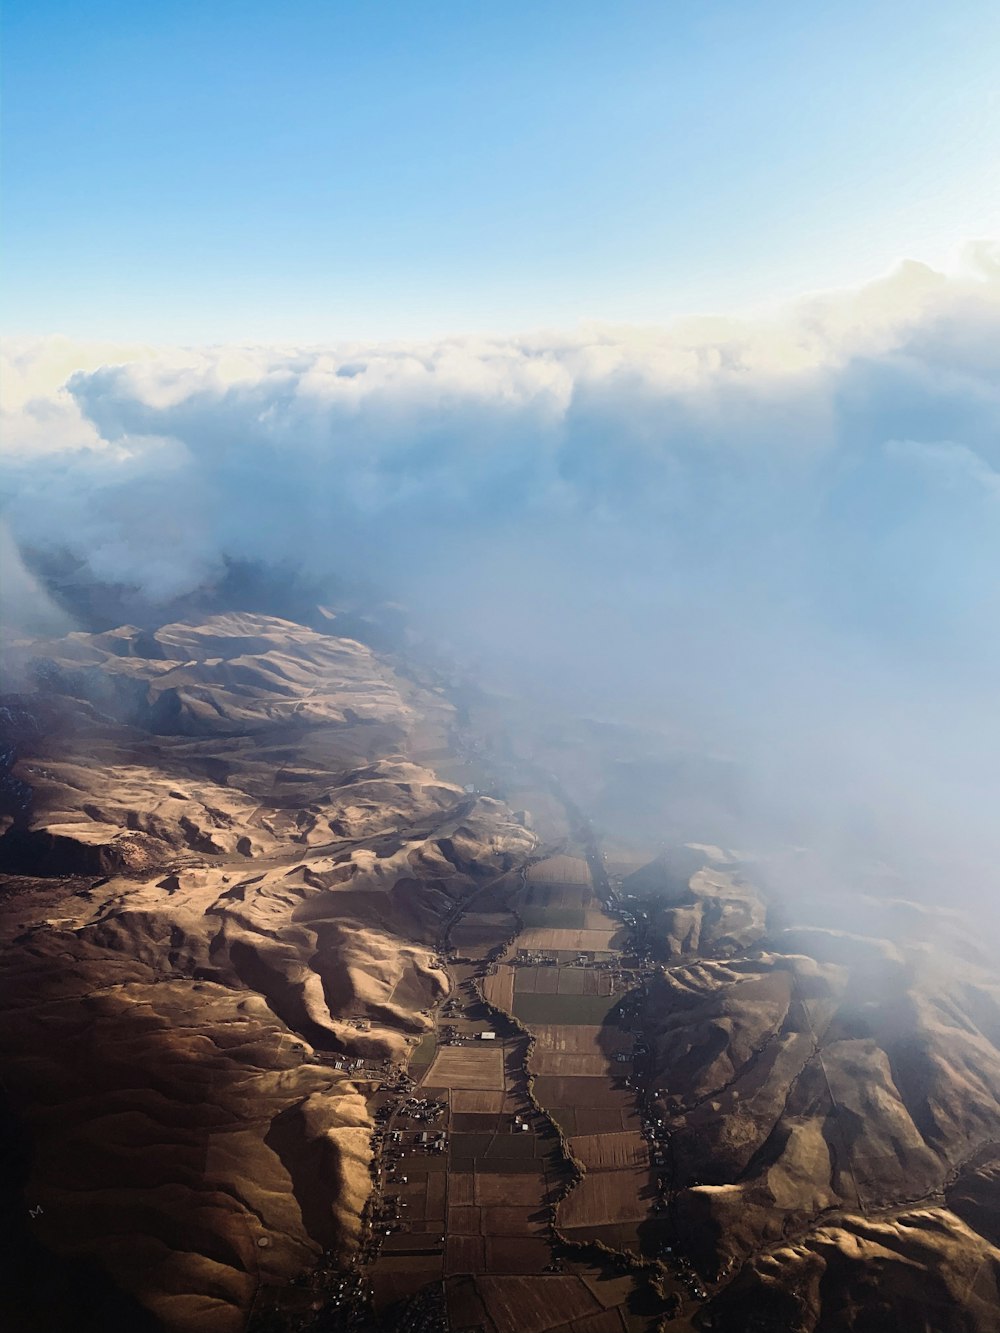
(777, 539)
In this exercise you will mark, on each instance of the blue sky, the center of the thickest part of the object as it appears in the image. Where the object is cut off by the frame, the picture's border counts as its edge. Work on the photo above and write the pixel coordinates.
(311, 171)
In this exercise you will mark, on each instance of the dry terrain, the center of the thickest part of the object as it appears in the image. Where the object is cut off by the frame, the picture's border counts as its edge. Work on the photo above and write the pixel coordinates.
(228, 882)
(252, 939)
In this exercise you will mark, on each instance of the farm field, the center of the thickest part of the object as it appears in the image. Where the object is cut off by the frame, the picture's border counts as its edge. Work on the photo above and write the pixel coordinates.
(582, 1038)
(571, 870)
(541, 939)
(562, 981)
(479, 931)
(604, 1197)
(543, 915)
(523, 1305)
(477, 1100)
(477, 1068)
(498, 988)
(562, 1009)
(480, 1212)
(578, 1049)
(611, 1151)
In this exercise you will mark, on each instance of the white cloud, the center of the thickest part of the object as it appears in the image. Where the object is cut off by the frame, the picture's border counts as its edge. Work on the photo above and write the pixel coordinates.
(747, 528)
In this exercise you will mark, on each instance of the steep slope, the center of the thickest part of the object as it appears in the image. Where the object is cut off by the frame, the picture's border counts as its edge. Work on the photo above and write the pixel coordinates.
(229, 882)
(829, 1100)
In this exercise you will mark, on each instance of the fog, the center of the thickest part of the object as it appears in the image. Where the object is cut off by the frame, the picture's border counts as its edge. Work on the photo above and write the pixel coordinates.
(772, 542)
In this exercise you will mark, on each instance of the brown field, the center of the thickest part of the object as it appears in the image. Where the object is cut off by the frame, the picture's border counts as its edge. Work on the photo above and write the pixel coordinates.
(478, 932)
(522, 1189)
(474, 1122)
(394, 1279)
(556, 898)
(584, 981)
(461, 1189)
(534, 1304)
(509, 1146)
(604, 1321)
(560, 870)
(581, 1038)
(536, 980)
(542, 939)
(465, 1148)
(602, 1120)
(616, 1235)
(465, 1254)
(582, 1092)
(465, 1309)
(565, 1118)
(604, 1197)
(509, 1166)
(569, 1064)
(437, 1184)
(477, 1101)
(562, 981)
(499, 988)
(463, 1221)
(609, 1288)
(414, 1195)
(523, 1254)
(477, 1067)
(512, 1221)
(604, 1152)
(596, 919)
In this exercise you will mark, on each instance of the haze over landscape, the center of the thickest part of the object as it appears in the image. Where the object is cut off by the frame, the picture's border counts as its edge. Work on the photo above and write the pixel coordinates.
(501, 545)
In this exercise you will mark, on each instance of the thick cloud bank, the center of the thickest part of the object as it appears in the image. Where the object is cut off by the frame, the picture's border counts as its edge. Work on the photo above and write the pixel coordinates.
(776, 540)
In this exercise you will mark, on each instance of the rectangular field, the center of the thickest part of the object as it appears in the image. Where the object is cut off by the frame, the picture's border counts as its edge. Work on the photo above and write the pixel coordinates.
(563, 918)
(473, 1067)
(560, 870)
(465, 1148)
(461, 1189)
(436, 1189)
(396, 1278)
(605, 1321)
(543, 939)
(474, 1122)
(569, 1064)
(602, 1120)
(478, 932)
(463, 1221)
(559, 1009)
(477, 1101)
(604, 1152)
(582, 1092)
(521, 1190)
(506, 1221)
(520, 1254)
(498, 988)
(465, 1254)
(562, 980)
(556, 898)
(536, 980)
(465, 1309)
(605, 1197)
(534, 1304)
(581, 1038)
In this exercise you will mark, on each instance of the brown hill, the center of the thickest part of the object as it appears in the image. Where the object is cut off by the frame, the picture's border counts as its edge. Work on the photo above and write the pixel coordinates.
(229, 874)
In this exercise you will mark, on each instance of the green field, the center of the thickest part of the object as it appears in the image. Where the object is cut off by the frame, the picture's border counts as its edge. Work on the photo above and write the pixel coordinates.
(591, 1009)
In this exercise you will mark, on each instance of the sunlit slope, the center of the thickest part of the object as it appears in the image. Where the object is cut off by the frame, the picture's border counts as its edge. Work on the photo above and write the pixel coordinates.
(231, 883)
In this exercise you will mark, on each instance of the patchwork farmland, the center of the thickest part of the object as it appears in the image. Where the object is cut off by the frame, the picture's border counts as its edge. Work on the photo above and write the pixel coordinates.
(529, 1145)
